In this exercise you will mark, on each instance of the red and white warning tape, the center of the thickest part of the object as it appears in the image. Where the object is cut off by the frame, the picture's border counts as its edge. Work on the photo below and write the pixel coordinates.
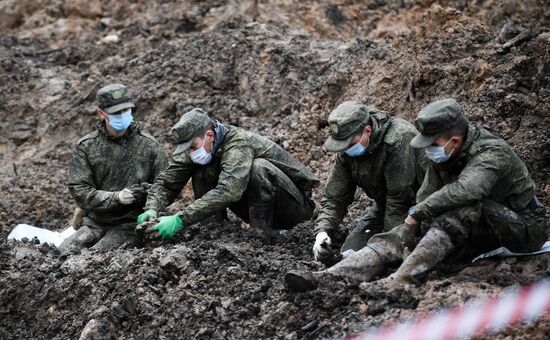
(484, 316)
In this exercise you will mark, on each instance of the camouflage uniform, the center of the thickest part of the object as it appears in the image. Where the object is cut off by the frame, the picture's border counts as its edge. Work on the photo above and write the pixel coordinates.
(248, 174)
(389, 172)
(101, 166)
(482, 198)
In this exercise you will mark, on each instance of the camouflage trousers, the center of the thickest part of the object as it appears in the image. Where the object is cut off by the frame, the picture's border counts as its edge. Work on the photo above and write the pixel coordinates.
(475, 229)
(101, 238)
(269, 186)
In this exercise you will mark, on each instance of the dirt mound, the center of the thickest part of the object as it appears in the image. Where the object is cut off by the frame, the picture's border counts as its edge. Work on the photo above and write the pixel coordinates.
(279, 76)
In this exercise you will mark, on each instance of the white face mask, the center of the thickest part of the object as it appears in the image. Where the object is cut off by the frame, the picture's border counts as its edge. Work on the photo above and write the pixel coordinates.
(437, 153)
(201, 156)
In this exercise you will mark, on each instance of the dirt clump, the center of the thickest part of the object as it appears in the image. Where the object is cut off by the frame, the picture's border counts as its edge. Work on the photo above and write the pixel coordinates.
(279, 76)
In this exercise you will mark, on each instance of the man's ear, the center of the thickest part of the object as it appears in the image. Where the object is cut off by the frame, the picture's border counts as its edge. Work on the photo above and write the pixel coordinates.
(457, 137)
(368, 129)
(102, 114)
(210, 133)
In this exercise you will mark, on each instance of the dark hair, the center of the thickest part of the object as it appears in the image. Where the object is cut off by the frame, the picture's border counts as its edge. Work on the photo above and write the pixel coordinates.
(461, 128)
(210, 126)
(363, 126)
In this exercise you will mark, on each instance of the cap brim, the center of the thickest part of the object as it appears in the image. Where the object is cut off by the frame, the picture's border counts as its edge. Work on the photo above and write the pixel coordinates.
(112, 109)
(337, 145)
(183, 146)
(422, 141)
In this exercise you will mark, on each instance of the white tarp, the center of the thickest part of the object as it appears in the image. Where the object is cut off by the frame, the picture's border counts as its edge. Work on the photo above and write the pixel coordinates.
(45, 236)
(504, 252)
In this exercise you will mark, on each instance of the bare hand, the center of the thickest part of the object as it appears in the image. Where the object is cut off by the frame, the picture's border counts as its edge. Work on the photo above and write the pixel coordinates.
(410, 220)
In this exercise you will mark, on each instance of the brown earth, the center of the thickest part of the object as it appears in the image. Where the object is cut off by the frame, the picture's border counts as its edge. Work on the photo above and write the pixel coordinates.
(279, 76)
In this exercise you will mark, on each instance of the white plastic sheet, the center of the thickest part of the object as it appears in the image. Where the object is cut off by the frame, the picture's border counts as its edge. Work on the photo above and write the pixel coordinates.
(505, 252)
(44, 236)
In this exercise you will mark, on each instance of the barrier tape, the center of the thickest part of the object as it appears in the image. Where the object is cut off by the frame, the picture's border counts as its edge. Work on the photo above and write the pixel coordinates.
(482, 316)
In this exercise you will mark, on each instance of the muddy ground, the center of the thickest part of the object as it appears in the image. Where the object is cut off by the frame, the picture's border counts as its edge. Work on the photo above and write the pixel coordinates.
(279, 75)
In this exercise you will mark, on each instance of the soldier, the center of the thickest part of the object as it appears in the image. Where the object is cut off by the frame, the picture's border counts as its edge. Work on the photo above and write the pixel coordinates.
(477, 195)
(108, 173)
(230, 168)
(373, 154)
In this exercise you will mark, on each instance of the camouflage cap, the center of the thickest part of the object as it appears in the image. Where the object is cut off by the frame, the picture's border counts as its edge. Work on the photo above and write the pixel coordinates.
(344, 123)
(190, 125)
(113, 98)
(434, 119)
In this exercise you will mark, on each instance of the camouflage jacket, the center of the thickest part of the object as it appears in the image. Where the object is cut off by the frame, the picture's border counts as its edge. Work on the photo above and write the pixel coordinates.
(102, 165)
(389, 172)
(486, 167)
(230, 168)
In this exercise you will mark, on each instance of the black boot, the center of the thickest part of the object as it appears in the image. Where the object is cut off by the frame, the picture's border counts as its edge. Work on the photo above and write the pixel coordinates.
(301, 281)
(261, 217)
(366, 226)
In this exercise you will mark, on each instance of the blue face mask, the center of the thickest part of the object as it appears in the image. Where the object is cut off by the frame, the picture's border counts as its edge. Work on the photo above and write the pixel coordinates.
(437, 153)
(358, 149)
(120, 122)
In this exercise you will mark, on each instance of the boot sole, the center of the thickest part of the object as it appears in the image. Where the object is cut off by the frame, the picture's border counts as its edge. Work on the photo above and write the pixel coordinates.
(298, 283)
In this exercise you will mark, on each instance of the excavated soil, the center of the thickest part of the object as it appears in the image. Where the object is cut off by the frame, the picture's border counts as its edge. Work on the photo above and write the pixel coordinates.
(280, 76)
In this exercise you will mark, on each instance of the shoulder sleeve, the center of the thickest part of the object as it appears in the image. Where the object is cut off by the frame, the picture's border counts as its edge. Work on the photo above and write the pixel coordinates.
(401, 176)
(338, 195)
(474, 183)
(82, 185)
(236, 164)
(159, 155)
(169, 181)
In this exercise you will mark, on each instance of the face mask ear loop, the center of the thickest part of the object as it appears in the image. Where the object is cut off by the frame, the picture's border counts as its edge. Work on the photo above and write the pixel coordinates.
(444, 146)
(362, 135)
(203, 141)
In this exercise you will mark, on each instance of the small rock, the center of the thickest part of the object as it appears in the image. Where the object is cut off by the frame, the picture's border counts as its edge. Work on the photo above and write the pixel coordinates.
(105, 22)
(175, 260)
(110, 39)
(226, 302)
(93, 330)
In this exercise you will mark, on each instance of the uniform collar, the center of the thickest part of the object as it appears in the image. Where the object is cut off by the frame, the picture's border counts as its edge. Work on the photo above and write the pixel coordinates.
(473, 134)
(380, 123)
(220, 131)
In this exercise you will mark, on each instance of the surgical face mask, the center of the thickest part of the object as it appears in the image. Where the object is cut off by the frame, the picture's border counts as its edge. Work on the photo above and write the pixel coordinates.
(120, 122)
(437, 153)
(358, 149)
(201, 156)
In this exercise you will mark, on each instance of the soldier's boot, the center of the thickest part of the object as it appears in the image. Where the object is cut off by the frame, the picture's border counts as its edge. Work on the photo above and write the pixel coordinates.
(116, 237)
(78, 217)
(363, 265)
(303, 281)
(364, 229)
(434, 246)
(261, 218)
(366, 226)
(84, 237)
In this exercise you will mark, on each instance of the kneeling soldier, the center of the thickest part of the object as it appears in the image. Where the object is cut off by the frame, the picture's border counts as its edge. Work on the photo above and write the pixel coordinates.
(230, 168)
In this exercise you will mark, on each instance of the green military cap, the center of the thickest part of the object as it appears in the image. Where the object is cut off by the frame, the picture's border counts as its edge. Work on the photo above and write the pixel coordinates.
(190, 125)
(113, 98)
(435, 118)
(344, 123)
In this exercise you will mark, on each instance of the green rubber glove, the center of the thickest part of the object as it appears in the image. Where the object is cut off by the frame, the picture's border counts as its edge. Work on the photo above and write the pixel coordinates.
(169, 226)
(146, 216)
